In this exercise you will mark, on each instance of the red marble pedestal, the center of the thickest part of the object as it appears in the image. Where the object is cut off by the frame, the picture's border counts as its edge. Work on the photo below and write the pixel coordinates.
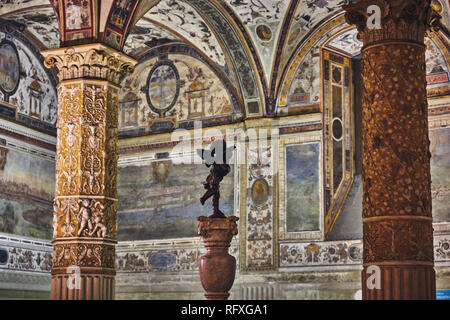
(217, 267)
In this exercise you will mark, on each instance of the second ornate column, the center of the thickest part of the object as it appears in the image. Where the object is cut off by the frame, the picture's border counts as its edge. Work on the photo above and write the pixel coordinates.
(397, 221)
(85, 206)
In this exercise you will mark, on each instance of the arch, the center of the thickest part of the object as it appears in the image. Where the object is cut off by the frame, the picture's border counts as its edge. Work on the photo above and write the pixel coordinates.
(195, 89)
(283, 35)
(331, 29)
(243, 58)
(303, 48)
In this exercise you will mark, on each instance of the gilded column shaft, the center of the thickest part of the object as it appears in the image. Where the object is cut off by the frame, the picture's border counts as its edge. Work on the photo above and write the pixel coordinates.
(85, 206)
(397, 221)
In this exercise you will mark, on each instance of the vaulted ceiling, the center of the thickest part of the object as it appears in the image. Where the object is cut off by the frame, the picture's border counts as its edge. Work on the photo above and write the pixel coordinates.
(251, 41)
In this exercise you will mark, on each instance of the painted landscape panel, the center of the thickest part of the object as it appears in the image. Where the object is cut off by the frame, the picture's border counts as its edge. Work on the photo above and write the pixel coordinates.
(160, 200)
(27, 187)
(440, 173)
(302, 187)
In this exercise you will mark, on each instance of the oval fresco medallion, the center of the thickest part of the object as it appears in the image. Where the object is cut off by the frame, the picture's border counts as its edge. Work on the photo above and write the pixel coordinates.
(260, 191)
(264, 32)
(9, 67)
(163, 87)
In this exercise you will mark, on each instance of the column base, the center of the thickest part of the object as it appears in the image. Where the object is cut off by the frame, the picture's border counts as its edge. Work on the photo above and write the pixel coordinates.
(89, 287)
(413, 282)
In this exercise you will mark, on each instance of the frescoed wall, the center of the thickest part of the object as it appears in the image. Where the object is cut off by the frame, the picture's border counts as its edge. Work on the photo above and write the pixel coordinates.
(347, 43)
(144, 36)
(440, 173)
(438, 72)
(160, 200)
(27, 93)
(301, 85)
(302, 187)
(27, 186)
(78, 14)
(165, 92)
(305, 87)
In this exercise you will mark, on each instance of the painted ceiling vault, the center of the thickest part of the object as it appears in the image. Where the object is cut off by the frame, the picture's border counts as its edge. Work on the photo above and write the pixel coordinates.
(145, 35)
(263, 19)
(253, 42)
(42, 24)
(181, 17)
(8, 6)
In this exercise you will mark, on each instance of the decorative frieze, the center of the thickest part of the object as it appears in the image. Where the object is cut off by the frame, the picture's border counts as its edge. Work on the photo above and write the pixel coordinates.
(332, 253)
(24, 254)
(175, 259)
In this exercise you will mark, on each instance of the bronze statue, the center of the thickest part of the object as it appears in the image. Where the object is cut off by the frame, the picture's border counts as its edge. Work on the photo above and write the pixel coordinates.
(217, 157)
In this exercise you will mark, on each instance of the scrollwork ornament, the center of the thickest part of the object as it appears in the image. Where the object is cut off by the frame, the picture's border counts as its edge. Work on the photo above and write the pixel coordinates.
(95, 61)
(83, 254)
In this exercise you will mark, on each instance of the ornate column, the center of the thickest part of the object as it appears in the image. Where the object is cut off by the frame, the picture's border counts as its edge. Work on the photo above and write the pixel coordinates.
(397, 221)
(85, 206)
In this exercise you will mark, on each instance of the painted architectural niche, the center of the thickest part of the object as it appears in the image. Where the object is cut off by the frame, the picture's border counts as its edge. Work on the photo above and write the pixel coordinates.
(338, 133)
(171, 92)
(320, 80)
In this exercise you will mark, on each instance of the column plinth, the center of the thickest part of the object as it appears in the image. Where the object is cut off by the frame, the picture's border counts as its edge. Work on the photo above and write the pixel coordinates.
(85, 205)
(397, 221)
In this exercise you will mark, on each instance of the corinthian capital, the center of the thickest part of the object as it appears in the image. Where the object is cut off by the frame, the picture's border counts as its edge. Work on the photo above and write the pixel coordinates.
(94, 61)
(399, 19)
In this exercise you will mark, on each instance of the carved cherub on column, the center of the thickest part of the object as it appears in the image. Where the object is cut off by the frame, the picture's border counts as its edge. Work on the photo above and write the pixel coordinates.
(85, 216)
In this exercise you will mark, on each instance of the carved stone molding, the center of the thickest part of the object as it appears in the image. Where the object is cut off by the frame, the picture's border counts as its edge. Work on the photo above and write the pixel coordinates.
(91, 287)
(96, 255)
(208, 228)
(95, 61)
(400, 19)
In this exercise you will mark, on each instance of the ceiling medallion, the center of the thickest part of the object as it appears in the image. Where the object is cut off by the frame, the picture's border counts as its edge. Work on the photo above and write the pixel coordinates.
(264, 32)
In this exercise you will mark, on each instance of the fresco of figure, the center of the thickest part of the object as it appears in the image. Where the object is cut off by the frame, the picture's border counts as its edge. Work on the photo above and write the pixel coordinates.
(217, 158)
